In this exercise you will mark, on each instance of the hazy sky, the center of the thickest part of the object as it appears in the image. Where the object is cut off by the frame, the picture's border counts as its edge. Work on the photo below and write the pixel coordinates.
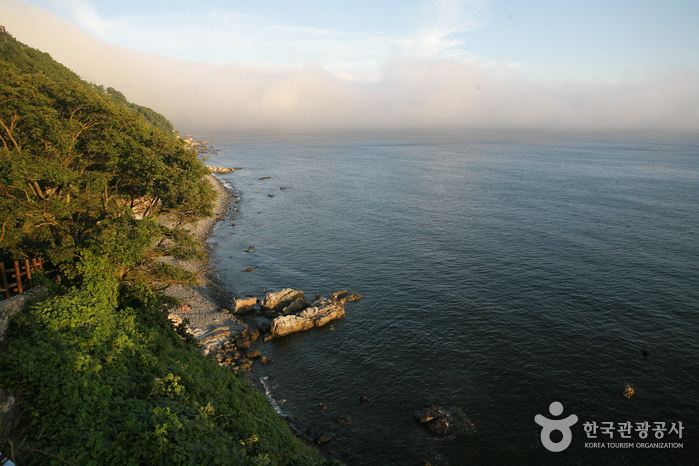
(326, 64)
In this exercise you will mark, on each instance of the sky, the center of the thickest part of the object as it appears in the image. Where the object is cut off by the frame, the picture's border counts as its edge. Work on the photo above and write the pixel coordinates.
(312, 65)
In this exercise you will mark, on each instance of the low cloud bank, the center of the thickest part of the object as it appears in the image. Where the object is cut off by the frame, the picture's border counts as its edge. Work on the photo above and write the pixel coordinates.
(408, 93)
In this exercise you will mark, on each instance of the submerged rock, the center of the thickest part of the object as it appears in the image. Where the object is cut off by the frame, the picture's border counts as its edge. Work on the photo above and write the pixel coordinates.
(345, 296)
(343, 421)
(433, 418)
(281, 298)
(265, 326)
(323, 438)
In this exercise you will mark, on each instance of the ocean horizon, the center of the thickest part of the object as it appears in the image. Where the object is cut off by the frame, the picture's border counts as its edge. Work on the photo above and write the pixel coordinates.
(500, 272)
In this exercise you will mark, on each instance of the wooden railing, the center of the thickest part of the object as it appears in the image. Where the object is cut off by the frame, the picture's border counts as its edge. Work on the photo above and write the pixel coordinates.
(20, 277)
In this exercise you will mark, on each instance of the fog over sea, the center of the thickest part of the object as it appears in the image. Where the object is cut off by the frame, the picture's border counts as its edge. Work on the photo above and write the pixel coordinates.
(499, 273)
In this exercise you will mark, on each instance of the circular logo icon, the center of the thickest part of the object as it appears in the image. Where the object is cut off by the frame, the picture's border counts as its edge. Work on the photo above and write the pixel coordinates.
(561, 425)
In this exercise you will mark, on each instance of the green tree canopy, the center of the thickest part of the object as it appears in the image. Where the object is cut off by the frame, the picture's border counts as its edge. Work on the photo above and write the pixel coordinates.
(79, 171)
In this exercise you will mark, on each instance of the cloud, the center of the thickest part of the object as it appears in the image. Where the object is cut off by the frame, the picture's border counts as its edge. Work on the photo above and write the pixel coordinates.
(223, 36)
(406, 92)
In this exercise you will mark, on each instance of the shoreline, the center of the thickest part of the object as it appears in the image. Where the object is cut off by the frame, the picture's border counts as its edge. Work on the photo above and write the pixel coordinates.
(205, 304)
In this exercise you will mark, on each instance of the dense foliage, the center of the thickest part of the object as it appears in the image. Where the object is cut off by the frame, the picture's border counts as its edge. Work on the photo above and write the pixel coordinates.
(78, 172)
(100, 375)
(101, 371)
(30, 60)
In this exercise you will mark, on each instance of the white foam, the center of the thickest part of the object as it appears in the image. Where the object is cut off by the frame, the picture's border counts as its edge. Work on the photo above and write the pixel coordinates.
(271, 399)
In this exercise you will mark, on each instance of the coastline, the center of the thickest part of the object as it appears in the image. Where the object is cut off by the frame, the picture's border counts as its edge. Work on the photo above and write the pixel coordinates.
(205, 304)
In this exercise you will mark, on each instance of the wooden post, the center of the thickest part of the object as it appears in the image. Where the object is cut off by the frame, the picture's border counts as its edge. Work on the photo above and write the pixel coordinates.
(18, 274)
(4, 280)
(29, 274)
(41, 264)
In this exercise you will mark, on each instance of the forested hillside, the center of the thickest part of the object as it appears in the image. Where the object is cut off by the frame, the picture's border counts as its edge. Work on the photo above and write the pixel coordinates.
(96, 374)
(30, 60)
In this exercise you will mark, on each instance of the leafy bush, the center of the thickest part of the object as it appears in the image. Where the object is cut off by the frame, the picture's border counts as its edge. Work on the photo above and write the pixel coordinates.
(114, 384)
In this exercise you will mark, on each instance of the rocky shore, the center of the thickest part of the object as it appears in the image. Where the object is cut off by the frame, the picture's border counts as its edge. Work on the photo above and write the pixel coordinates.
(228, 327)
(204, 305)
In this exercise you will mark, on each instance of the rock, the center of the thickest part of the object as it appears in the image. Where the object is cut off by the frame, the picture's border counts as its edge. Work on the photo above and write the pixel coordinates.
(345, 296)
(286, 325)
(265, 360)
(425, 414)
(297, 306)
(321, 312)
(219, 170)
(249, 269)
(343, 421)
(433, 418)
(265, 177)
(270, 195)
(281, 298)
(252, 354)
(7, 404)
(424, 463)
(322, 405)
(220, 333)
(628, 392)
(246, 338)
(323, 438)
(265, 326)
(438, 425)
(243, 306)
(364, 400)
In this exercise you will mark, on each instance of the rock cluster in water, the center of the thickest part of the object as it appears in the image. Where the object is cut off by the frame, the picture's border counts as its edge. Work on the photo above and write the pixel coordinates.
(433, 418)
(219, 170)
(282, 313)
(291, 312)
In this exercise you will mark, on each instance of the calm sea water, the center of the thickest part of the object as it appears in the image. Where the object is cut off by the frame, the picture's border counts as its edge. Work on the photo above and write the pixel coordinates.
(500, 273)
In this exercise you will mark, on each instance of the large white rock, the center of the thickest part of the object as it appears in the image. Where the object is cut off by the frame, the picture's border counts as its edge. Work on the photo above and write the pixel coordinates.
(281, 298)
(285, 325)
(321, 312)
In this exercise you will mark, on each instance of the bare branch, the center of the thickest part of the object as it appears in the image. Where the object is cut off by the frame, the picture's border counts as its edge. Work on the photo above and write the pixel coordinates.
(13, 119)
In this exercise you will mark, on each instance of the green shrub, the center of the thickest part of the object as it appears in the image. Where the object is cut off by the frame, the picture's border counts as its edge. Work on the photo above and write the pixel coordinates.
(114, 384)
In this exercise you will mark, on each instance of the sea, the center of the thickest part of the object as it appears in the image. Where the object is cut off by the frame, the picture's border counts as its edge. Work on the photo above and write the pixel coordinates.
(500, 273)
